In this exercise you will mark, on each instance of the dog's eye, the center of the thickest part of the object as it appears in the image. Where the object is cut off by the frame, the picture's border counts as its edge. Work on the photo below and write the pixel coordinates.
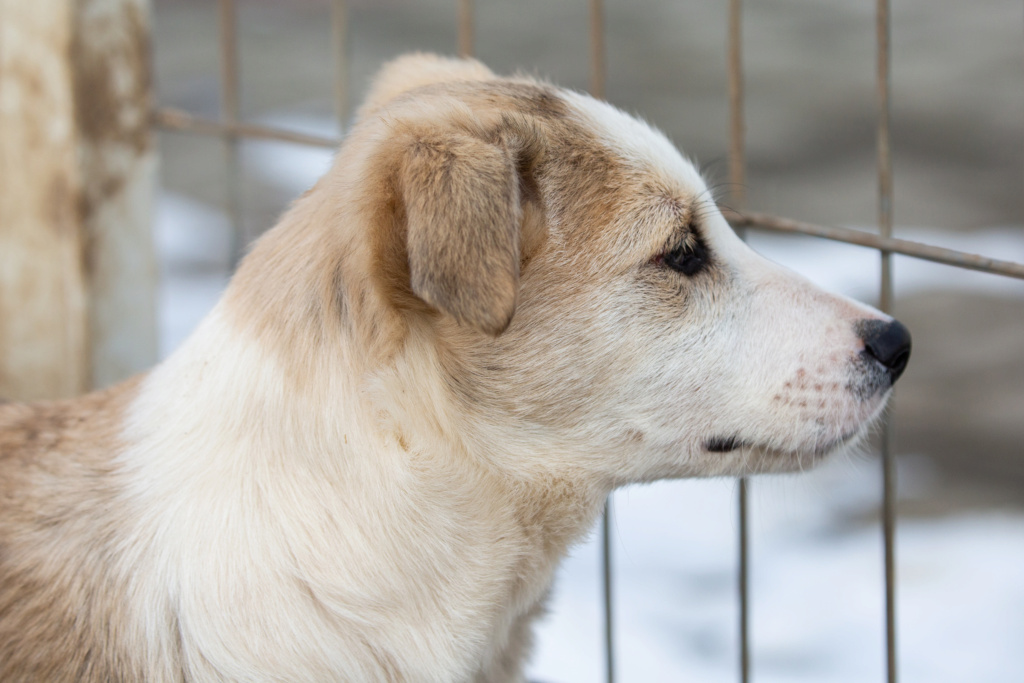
(689, 258)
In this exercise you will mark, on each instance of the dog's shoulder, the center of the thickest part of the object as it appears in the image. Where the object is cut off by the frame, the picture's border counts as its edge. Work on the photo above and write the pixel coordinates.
(83, 429)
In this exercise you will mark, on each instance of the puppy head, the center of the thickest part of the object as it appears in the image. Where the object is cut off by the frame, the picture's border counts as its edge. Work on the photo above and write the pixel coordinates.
(568, 278)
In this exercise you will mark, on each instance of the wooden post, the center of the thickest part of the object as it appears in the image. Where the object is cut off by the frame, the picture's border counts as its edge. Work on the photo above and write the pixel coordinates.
(77, 176)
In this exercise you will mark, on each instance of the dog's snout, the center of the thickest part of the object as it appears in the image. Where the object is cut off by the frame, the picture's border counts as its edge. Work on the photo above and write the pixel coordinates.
(888, 342)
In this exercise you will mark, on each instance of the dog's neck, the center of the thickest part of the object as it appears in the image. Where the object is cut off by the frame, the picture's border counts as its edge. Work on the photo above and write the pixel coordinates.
(358, 466)
(553, 501)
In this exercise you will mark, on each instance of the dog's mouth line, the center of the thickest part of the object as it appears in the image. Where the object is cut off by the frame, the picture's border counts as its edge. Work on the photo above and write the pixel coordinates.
(728, 444)
(724, 444)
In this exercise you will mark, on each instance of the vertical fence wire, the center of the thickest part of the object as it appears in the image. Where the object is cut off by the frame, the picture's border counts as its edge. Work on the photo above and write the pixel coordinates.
(737, 128)
(339, 48)
(885, 224)
(597, 89)
(737, 182)
(467, 38)
(743, 579)
(606, 583)
(597, 50)
(229, 114)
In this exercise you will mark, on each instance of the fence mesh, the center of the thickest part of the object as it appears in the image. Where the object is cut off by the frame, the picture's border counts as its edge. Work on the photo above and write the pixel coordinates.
(231, 129)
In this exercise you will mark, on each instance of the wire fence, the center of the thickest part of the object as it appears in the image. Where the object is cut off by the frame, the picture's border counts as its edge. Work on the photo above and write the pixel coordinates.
(230, 128)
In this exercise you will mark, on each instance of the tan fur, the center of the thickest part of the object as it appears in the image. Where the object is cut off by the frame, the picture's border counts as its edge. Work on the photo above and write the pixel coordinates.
(413, 398)
(462, 217)
(415, 70)
(61, 613)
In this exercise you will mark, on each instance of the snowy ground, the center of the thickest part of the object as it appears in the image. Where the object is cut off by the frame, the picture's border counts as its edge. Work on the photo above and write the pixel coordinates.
(816, 582)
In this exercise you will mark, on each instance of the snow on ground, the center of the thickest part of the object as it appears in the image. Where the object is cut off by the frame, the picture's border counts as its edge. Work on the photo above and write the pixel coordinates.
(817, 587)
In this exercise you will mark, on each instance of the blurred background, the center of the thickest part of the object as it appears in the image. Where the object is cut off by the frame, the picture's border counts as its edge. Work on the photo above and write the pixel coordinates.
(958, 142)
(958, 136)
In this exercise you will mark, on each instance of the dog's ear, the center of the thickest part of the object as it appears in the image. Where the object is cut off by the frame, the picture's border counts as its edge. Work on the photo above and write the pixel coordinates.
(415, 70)
(462, 209)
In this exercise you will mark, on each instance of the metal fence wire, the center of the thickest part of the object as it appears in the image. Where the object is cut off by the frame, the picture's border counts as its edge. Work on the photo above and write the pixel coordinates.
(230, 128)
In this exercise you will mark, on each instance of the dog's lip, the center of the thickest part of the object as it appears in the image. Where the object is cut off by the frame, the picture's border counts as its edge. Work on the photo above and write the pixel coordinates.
(724, 444)
(727, 444)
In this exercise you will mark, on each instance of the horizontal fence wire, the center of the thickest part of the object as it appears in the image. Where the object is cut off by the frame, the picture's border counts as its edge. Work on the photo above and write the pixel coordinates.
(177, 120)
(918, 250)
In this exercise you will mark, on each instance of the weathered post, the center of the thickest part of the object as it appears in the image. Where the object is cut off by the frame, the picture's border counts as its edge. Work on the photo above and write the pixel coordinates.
(77, 176)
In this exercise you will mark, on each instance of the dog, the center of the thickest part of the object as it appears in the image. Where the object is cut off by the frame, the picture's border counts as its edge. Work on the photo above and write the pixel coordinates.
(503, 301)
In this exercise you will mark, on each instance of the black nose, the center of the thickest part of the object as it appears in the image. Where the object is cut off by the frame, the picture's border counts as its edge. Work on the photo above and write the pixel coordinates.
(888, 343)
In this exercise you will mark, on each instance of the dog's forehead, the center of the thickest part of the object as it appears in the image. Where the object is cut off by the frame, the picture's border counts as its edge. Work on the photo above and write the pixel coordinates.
(637, 143)
(577, 117)
(635, 194)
